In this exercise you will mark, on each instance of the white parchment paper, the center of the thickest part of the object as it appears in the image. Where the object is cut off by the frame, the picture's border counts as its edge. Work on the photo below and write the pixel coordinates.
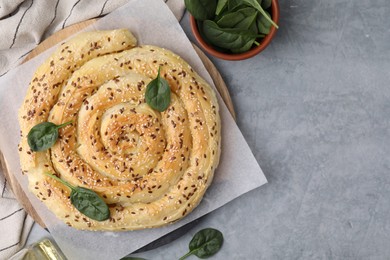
(152, 23)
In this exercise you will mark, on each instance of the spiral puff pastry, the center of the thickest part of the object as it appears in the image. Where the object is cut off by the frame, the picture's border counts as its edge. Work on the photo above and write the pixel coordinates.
(152, 168)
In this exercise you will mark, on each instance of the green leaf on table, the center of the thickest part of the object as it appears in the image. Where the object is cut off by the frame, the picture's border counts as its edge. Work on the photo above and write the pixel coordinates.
(44, 135)
(158, 93)
(201, 9)
(205, 243)
(228, 38)
(86, 201)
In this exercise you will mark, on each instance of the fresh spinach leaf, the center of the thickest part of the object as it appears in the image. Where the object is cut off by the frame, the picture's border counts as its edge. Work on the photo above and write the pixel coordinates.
(265, 4)
(253, 28)
(263, 25)
(228, 38)
(221, 5)
(86, 201)
(158, 93)
(234, 4)
(201, 9)
(200, 29)
(256, 5)
(89, 203)
(205, 243)
(244, 48)
(44, 135)
(241, 19)
(204, 37)
(236, 24)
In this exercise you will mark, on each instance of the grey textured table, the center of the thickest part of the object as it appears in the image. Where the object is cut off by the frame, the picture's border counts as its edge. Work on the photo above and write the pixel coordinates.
(314, 108)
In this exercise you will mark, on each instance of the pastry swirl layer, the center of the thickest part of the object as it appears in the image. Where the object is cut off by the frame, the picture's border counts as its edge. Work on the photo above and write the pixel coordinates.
(152, 168)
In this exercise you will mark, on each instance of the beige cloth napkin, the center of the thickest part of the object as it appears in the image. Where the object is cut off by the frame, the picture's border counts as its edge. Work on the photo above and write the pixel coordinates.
(23, 25)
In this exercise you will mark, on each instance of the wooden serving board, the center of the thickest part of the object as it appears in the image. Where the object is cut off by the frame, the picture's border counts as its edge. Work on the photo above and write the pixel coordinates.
(62, 35)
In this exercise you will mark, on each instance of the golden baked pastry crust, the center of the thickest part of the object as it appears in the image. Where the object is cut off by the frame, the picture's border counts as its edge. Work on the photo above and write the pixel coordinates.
(151, 168)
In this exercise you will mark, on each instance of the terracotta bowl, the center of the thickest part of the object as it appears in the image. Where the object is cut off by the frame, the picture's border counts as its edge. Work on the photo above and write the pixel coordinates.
(238, 56)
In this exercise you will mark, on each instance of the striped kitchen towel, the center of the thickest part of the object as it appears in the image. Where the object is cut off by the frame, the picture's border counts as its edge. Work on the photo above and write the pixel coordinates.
(23, 25)
(15, 224)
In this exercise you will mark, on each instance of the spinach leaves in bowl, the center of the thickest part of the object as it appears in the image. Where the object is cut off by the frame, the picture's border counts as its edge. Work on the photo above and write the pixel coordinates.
(232, 25)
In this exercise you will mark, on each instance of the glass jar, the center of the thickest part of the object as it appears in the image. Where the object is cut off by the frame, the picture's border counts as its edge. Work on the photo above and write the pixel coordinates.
(44, 250)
